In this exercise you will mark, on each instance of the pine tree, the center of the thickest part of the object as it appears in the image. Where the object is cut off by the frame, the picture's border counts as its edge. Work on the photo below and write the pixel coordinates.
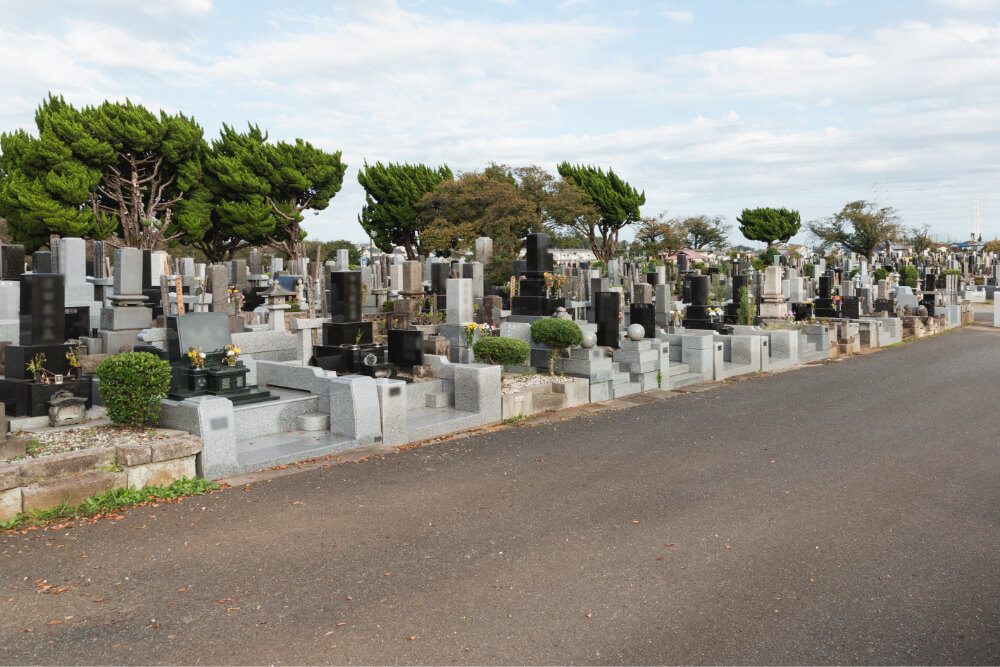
(301, 178)
(114, 171)
(391, 193)
(617, 202)
(769, 224)
(45, 187)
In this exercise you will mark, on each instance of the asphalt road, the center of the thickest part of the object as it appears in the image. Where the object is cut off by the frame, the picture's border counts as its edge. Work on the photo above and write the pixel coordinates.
(838, 513)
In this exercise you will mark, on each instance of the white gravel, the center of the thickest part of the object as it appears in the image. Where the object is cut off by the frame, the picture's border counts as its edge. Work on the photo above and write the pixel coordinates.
(71, 439)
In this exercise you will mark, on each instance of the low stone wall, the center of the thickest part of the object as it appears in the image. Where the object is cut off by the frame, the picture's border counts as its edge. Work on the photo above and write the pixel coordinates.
(49, 481)
(546, 397)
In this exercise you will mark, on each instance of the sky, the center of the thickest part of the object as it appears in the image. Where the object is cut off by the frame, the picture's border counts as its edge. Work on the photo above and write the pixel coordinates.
(709, 107)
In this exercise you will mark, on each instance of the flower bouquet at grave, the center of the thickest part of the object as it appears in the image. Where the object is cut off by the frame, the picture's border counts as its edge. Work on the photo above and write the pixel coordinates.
(197, 357)
(237, 297)
(73, 357)
(470, 333)
(37, 367)
(231, 355)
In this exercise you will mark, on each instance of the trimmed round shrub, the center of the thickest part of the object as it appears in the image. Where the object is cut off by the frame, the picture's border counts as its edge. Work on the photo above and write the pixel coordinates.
(500, 350)
(908, 276)
(558, 334)
(880, 274)
(132, 386)
(388, 306)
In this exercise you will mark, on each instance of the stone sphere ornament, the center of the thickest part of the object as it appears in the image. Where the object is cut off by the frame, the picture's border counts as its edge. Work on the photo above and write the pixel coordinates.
(589, 340)
(636, 332)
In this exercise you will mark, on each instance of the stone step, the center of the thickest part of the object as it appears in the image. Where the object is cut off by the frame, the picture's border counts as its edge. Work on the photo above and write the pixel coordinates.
(312, 421)
(684, 379)
(258, 419)
(438, 399)
(627, 389)
(621, 377)
(677, 368)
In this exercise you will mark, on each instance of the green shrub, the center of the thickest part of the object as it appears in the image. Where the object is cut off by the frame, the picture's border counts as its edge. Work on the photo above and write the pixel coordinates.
(557, 334)
(132, 386)
(499, 350)
(908, 276)
(388, 306)
(941, 282)
(880, 274)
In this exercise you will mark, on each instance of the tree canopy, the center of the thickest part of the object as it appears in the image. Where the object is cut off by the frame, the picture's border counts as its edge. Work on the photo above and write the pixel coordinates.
(236, 175)
(392, 191)
(860, 226)
(302, 178)
(920, 238)
(661, 235)
(703, 231)
(115, 171)
(768, 225)
(617, 204)
(479, 204)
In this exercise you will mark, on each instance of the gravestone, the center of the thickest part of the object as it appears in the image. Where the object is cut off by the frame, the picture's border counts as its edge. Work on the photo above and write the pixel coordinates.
(344, 260)
(644, 314)
(825, 305)
(850, 307)
(606, 305)
(411, 285)
(484, 250)
(127, 314)
(11, 262)
(406, 347)
(696, 315)
(210, 333)
(533, 299)
(41, 262)
(42, 332)
(459, 301)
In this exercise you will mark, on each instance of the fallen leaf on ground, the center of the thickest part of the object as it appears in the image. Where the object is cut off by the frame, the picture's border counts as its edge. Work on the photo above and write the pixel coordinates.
(99, 600)
(412, 637)
(57, 622)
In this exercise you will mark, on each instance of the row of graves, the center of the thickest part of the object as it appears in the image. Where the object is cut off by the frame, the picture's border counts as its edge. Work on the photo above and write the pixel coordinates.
(383, 352)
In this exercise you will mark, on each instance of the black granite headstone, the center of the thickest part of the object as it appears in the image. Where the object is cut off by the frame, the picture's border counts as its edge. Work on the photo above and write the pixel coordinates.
(406, 347)
(77, 322)
(440, 272)
(11, 262)
(850, 307)
(696, 315)
(537, 254)
(41, 261)
(682, 262)
(344, 301)
(644, 314)
(42, 320)
(606, 316)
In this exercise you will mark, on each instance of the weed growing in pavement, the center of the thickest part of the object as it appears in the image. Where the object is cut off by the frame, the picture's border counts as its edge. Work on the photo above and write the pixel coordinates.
(110, 501)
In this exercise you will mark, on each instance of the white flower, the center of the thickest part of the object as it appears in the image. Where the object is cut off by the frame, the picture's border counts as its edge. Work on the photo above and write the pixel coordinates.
(229, 353)
(202, 355)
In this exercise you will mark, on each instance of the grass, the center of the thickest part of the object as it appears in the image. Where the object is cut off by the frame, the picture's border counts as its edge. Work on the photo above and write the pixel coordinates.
(516, 420)
(110, 501)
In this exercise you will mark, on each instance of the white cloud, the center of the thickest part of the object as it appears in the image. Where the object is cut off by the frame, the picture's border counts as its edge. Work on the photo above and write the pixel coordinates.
(684, 16)
(971, 5)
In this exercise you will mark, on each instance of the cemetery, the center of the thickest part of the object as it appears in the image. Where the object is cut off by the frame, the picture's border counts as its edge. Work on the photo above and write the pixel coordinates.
(265, 364)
